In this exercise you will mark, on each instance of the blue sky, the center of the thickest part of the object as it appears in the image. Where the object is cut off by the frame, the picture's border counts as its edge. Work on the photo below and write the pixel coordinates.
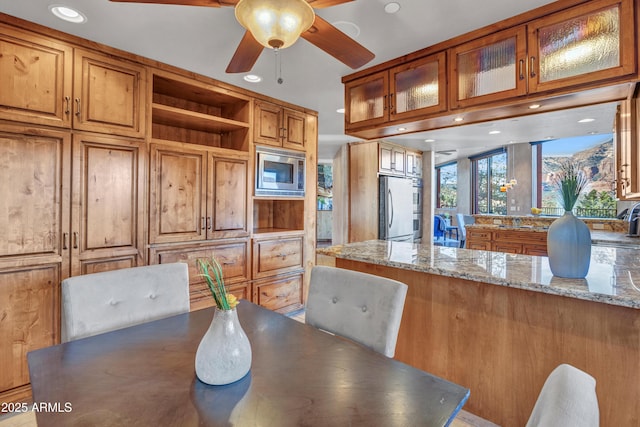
(568, 146)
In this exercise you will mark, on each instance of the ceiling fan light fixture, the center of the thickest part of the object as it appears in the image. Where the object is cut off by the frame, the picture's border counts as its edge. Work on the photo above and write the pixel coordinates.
(275, 24)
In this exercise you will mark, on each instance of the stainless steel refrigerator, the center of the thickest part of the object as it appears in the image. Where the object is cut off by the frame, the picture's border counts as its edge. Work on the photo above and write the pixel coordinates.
(396, 209)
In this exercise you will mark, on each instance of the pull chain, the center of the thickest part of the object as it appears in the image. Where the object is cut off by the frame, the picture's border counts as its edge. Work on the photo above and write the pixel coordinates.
(278, 66)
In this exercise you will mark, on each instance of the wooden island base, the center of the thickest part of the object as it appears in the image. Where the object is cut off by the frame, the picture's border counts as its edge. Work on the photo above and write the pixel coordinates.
(503, 342)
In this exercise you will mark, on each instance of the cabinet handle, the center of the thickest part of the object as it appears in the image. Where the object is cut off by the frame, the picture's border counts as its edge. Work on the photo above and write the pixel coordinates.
(67, 108)
(75, 240)
(65, 239)
(384, 102)
(521, 63)
(209, 223)
(78, 107)
(391, 109)
(532, 70)
(229, 263)
(202, 226)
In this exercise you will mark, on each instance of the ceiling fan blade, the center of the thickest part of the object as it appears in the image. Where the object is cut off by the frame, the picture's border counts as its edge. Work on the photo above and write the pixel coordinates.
(209, 3)
(337, 44)
(246, 54)
(319, 4)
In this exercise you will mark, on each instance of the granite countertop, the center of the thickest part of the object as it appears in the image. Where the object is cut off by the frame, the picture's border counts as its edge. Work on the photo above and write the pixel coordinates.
(613, 278)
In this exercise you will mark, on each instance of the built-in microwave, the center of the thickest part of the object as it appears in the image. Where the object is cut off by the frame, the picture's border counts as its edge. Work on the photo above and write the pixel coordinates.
(279, 172)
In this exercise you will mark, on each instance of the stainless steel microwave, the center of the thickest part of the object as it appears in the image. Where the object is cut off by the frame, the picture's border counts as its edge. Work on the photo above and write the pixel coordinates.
(279, 172)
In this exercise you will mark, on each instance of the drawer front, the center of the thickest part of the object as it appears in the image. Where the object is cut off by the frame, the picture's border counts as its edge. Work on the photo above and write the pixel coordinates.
(233, 257)
(200, 295)
(521, 236)
(271, 257)
(508, 247)
(282, 294)
(536, 250)
(478, 234)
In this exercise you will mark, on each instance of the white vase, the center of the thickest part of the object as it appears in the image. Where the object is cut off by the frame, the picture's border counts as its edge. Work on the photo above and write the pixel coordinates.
(569, 247)
(224, 353)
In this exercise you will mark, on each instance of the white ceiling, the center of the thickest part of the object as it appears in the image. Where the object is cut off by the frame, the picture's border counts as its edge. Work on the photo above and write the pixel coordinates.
(203, 40)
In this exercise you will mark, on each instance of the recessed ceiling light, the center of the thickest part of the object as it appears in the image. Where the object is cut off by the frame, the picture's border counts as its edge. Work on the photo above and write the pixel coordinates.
(534, 106)
(392, 7)
(252, 78)
(494, 132)
(340, 110)
(586, 120)
(458, 119)
(402, 129)
(429, 140)
(67, 14)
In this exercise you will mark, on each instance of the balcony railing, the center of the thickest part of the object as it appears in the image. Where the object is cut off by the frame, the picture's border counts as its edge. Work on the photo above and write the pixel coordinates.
(581, 212)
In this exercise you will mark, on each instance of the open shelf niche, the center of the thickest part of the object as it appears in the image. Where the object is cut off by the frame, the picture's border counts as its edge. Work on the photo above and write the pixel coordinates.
(278, 215)
(198, 113)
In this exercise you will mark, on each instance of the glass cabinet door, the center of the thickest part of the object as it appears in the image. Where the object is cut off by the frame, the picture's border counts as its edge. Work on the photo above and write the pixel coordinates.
(418, 87)
(490, 68)
(581, 45)
(366, 101)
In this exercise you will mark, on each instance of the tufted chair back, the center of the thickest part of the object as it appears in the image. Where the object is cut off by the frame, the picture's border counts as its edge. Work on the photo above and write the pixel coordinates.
(568, 399)
(102, 302)
(359, 306)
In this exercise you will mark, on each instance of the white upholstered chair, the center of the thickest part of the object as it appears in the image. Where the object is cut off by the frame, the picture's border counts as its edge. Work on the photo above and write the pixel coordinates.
(359, 306)
(568, 399)
(102, 302)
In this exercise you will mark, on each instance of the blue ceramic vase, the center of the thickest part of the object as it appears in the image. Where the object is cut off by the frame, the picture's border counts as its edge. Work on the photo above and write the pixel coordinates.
(569, 247)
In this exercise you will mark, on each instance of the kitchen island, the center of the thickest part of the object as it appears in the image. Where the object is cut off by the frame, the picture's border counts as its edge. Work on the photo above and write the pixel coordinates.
(499, 323)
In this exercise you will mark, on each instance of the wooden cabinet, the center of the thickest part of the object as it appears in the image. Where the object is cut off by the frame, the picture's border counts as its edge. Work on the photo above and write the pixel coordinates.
(107, 199)
(36, 76)
(489, 69)
(278, 264)
(627, 137)
(108, 95)
(196, 195)
(35, 214)
(51, 83)
(414, 164)
(400, 93)
(279, 126)
(233, 256)
(391, 159)
(597, 44)
(509, 240)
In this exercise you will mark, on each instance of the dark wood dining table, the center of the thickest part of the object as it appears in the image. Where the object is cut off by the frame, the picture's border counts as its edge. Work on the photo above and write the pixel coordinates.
(300, 376)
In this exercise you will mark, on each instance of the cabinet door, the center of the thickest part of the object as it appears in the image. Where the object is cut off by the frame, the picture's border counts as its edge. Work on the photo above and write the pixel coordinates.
(34, 183)
(414, 164)
(366, 101)
(108, 95)
(29, 303)
(107, 203)
(177, 195)
(489, 69)
(229, 211)
(268, 123)
(391, 159)
(36, 78)
(294, 131)
(418, 88)
(585, 44)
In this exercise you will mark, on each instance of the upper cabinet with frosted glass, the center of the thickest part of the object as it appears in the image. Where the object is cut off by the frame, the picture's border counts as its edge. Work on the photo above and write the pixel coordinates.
(582, 45)
(402, 92)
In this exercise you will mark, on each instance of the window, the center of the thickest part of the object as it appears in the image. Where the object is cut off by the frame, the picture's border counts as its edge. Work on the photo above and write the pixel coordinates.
(447, 182)
(594, 154)
(489, 173)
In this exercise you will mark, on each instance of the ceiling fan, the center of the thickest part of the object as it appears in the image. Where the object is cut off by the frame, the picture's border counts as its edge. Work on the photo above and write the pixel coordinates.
(281, 32)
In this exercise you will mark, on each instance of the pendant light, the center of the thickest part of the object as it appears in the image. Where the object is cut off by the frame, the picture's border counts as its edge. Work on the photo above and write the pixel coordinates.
(275, 24)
